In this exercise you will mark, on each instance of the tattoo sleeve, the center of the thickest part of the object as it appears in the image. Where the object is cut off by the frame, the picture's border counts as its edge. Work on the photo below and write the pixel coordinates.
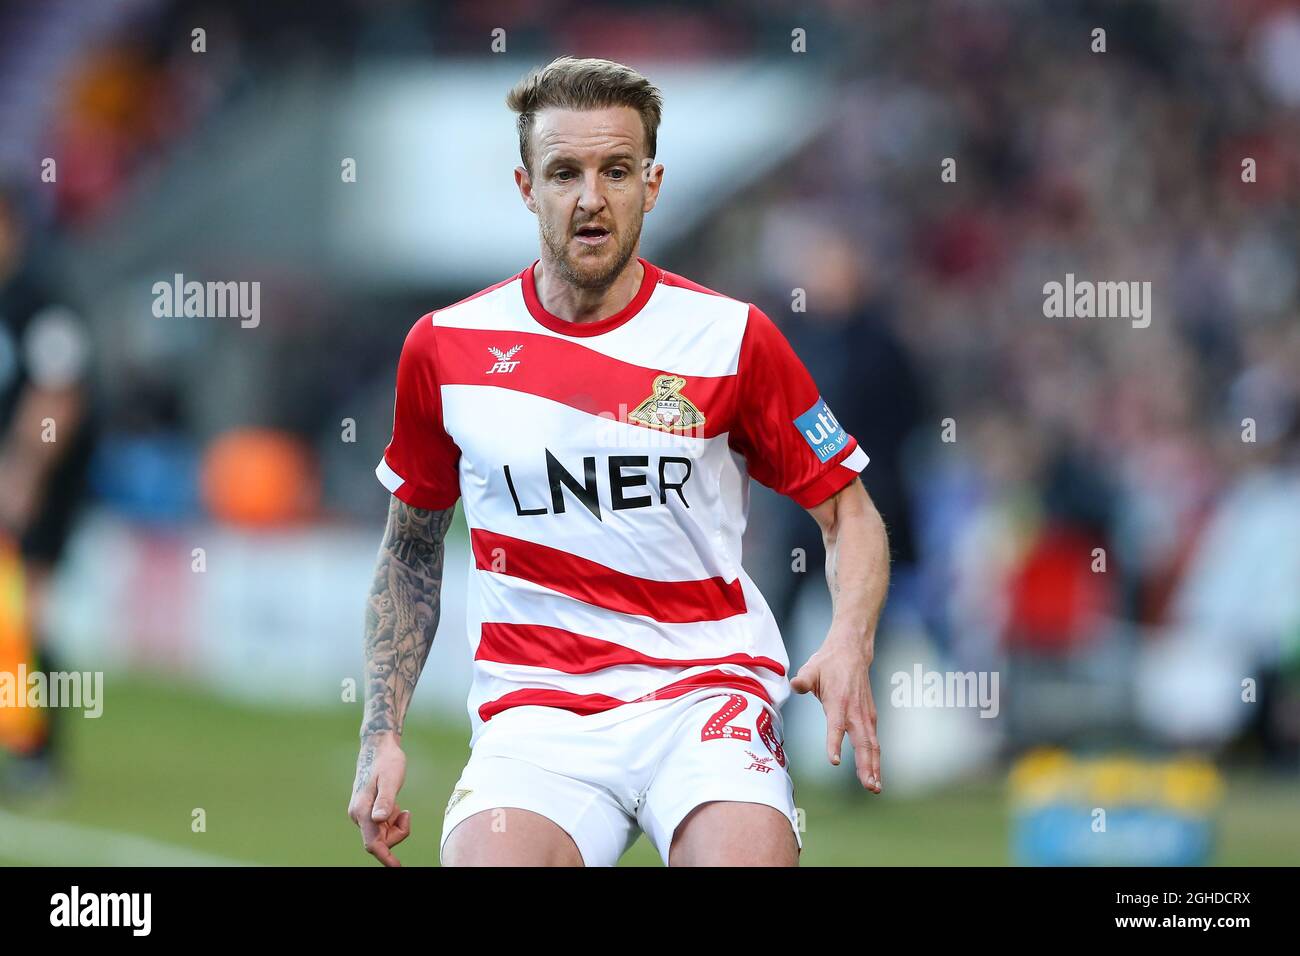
(402, 612)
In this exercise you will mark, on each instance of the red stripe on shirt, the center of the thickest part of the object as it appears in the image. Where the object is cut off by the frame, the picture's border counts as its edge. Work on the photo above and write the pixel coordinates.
(587, 704)
(669, 602)
(540, 645)
(576, 376)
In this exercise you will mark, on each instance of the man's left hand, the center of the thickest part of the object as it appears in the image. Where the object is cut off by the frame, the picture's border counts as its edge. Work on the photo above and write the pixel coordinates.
(838, 675)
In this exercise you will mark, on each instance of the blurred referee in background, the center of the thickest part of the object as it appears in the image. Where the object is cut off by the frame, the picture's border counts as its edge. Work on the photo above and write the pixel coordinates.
(45, 448)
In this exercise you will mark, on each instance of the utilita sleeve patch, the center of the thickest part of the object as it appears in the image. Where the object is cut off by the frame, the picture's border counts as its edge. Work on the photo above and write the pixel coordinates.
(821, 430)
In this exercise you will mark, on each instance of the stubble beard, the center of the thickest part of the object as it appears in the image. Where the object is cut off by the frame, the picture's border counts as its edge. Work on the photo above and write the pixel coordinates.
(584, 271)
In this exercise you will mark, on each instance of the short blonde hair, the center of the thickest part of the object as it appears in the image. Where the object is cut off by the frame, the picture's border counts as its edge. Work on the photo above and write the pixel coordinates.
(568, 83)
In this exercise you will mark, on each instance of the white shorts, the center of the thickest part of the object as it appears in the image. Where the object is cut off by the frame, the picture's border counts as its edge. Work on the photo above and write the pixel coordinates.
(603, 778)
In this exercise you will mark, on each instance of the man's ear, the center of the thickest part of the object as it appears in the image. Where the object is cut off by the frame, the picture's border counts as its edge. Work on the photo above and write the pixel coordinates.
(525, 184)
(653, 174)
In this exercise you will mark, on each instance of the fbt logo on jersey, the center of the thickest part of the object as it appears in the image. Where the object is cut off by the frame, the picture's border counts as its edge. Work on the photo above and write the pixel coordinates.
(821, 430)
(503, 363)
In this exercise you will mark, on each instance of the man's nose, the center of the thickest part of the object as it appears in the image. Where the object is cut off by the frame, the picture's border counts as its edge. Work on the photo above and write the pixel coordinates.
(592, 199)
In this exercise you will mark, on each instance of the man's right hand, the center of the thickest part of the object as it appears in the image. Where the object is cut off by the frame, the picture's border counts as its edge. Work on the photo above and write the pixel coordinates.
(381, 770)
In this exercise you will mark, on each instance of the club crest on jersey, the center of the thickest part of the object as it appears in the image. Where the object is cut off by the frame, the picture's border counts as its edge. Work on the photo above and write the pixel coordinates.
(503, 363)
(666, 407)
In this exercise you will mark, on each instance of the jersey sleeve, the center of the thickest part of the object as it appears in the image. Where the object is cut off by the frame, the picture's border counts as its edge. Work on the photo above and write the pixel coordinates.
(790, 440)
(421, 464)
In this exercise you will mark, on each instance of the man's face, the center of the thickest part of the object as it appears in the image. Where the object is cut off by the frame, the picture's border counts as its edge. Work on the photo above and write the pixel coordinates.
(590, 186)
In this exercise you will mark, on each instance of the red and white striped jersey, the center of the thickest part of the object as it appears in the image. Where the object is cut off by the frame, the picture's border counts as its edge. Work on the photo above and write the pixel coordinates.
(604, 469)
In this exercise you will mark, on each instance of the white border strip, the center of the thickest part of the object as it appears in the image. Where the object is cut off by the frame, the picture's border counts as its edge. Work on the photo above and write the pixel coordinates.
(387, 477)
(857, 460)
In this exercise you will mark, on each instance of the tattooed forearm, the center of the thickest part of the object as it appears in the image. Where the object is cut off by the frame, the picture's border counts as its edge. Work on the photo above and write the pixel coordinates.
(402, 612)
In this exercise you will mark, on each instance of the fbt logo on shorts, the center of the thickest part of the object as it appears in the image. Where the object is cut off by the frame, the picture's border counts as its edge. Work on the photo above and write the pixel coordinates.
(131, 910)
(821, 430)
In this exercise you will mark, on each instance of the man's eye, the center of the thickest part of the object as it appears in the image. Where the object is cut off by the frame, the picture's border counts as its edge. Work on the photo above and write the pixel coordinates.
(564, 174)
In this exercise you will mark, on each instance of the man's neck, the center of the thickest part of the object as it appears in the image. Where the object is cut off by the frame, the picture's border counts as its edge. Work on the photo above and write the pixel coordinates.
(572, 304)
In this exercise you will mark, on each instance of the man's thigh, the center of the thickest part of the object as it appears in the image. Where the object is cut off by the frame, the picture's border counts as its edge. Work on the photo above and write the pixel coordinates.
(509, 812)
(509, 836)
(722, 793)
(727, 833)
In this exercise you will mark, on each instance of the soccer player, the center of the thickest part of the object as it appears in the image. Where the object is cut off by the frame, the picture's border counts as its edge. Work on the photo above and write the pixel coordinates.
(600, 419)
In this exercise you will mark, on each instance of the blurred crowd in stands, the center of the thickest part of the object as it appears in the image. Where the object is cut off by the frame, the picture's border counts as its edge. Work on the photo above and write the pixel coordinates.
(1011, 452)
(1174, 448)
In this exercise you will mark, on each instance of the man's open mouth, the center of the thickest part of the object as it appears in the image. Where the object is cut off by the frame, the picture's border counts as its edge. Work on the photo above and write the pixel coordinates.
(592, 235)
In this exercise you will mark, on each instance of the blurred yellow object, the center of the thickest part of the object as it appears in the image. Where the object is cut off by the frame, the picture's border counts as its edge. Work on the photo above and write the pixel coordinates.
(21, 728)
(1040, 775)
(1192, 784)
(1050, 775)
(1115, 780)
